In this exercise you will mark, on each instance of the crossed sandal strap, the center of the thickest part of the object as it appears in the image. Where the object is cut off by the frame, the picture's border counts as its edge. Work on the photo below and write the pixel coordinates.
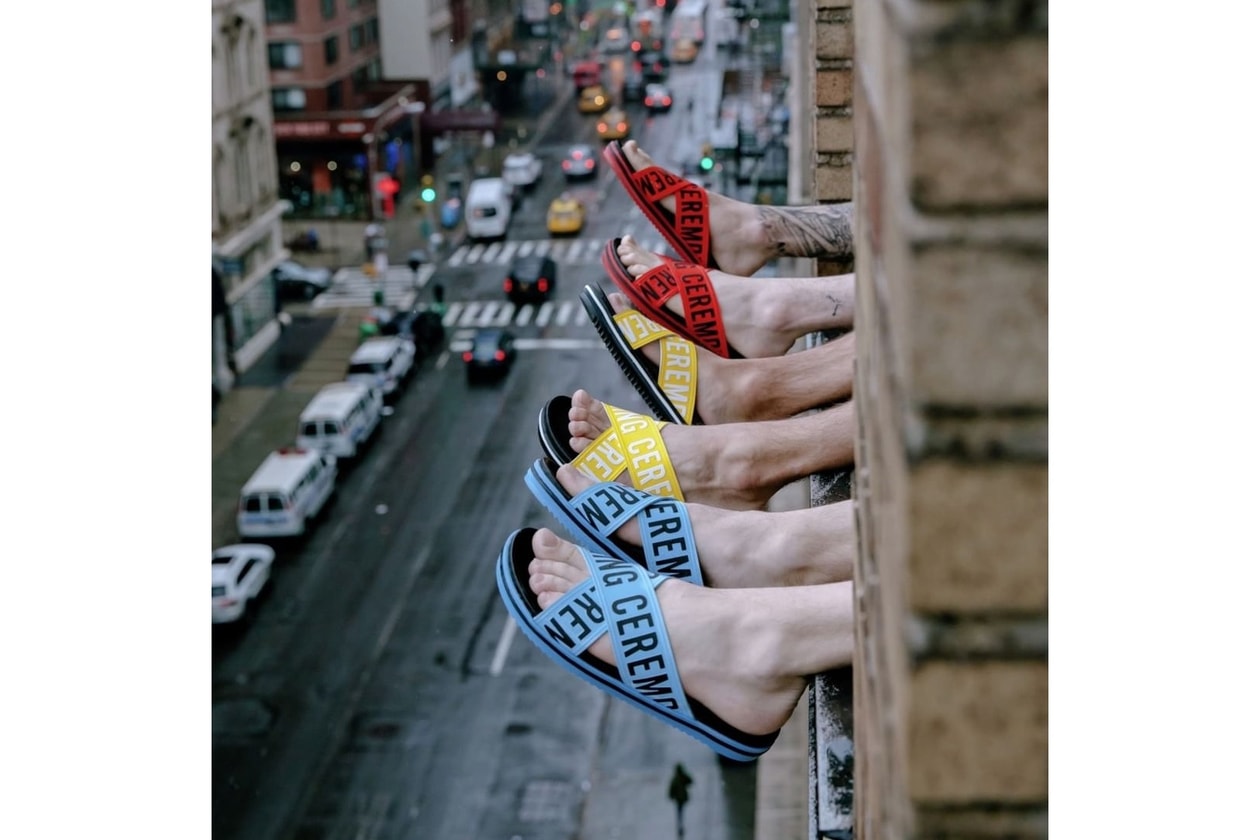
(669, 545)
(701, 313)
(636, 626)
(677, 369)
(631, 444)
(691, 207)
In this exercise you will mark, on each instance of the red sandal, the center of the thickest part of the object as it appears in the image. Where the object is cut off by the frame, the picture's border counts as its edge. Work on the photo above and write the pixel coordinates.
(687, 231)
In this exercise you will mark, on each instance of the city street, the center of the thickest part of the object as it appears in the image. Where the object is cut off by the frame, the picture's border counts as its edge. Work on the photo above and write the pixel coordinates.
(381, 691)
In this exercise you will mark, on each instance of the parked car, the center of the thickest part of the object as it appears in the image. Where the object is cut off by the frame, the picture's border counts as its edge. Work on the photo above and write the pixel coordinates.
(614, 125)
(565, 215)
(579, 161)
(522, 169)
(594, 100)
(294, 280)
(492, 353)
(238, 574)
(286, 493)
(531, 278)
(657, 98)
(384, 361)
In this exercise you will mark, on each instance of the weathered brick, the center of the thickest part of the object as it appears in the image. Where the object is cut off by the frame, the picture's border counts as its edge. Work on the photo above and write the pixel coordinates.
(979, 732)
(979, 328)
(835, 134)
(835, 183)
(980, 123)
(835, 40)
(980, 537)
(835, 87)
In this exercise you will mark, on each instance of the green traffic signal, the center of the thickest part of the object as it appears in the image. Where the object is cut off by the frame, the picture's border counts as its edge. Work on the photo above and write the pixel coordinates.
(706, 163)
(428, 194)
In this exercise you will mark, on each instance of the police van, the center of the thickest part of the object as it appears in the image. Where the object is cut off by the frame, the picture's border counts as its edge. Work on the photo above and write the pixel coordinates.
(340, 418)
(383, 362)
(285, 493)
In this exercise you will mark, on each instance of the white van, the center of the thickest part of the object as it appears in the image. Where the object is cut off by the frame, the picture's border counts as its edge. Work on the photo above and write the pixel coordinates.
(286, 491)
(382, 362)
(339, 418)
(488, 208)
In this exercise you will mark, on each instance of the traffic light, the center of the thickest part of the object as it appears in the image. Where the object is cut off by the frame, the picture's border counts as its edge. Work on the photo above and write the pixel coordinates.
(706, 158)
(427, 193)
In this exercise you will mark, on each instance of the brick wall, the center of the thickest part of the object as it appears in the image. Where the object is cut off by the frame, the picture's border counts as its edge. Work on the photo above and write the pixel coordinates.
(933, 116)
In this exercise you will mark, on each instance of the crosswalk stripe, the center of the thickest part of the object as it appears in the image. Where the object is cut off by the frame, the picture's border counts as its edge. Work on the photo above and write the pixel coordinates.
(526, 312)
(544, 313)
(487, 314)
(471, 311)
(562, 317)
(504, 317)
(457, 259)
(491, 251)
(526, 248)
(452, 314)
(474, 255)
(509, 248)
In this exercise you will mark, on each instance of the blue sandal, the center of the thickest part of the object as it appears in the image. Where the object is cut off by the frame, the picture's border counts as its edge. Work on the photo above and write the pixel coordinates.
(645, 675)
(593, 517)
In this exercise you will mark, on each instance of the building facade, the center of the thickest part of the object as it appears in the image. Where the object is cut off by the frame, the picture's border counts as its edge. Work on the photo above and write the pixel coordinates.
(245, 207)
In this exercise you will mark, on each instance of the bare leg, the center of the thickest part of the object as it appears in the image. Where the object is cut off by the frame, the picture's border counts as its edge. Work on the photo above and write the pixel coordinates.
(763, 319)
(744, 237)
(740, 390)
(750, 548)
(744, 653)
(737, 466)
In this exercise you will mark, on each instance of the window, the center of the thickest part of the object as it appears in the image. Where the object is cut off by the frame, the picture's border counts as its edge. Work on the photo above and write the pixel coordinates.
(253, 504)
(373, 33)
(274, 503)
(310, 430)
(356, 37)
(281, 11)
(284, 55)
(358, 79)
(245, 570)
(330, 428)
(330, 50)
(288, 99)
(329, 8)
(332, 96)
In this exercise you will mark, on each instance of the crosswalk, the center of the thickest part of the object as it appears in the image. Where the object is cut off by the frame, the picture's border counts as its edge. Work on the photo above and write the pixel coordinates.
(504, 313)
(350, 287)
(576, 251)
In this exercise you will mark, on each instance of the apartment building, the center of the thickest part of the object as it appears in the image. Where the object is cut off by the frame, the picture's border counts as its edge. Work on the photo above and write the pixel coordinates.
(246, 207)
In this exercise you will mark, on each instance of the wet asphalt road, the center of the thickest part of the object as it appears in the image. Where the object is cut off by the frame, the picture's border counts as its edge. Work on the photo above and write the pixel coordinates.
(379, 692)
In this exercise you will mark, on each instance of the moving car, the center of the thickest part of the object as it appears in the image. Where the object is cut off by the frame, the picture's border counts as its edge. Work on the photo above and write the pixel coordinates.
(383, 362)
(614, 125)
(684, 51)
(522, 169)
(492, 353)
(633, 85)
(294, 280)
(565, 215)
(657, 98)
(422, 324)
(238, 574)
(579, 161)
(586, 74)
(615, 40)
(594, 100)
(488, 208)
(531, 278)
(654, 65)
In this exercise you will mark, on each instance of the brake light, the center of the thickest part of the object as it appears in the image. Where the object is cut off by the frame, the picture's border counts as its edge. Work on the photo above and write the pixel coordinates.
(227, 602)
(467, 355)
(635, 46)
(666, 101)
(499, 355)
(603, 127)
(507, 284)
(567, 164)
(575, 154)
(589, 163)
(542, 284)
(621, 126)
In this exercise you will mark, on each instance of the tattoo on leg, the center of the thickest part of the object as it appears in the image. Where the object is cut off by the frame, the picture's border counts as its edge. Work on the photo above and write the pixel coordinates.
(836, 304)
(823, 231)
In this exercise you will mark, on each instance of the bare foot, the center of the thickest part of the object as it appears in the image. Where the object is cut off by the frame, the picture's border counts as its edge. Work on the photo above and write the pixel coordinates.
(750, 314)
(737, 238)
(740, 652)
(712, 465)
(751, 548)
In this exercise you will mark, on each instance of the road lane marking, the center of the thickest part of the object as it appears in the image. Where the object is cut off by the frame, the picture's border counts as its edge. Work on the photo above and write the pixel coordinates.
(501, 649)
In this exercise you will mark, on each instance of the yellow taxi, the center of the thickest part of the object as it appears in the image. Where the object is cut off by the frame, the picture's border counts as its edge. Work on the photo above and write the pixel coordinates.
(614, 125)
(565, 215)
(684, 51)
(594, 100)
